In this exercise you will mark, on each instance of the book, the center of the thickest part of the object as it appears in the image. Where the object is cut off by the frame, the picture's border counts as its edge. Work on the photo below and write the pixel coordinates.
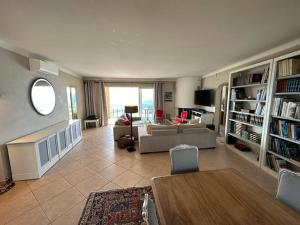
(288, 67)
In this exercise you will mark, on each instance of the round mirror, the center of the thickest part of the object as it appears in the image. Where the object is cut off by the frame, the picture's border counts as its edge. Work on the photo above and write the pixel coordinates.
(43, 96)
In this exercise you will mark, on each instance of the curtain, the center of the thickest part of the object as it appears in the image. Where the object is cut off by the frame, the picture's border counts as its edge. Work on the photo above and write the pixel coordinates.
(158, 96)
(95, 101)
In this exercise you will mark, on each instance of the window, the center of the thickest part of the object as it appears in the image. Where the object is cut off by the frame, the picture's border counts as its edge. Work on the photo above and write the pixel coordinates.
(118, 97)
(72, 102)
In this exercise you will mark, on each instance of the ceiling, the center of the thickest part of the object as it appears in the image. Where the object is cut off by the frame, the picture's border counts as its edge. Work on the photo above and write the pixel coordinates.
(147, 38)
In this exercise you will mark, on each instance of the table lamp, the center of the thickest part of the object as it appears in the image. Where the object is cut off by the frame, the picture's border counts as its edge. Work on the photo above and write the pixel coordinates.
(131, 109)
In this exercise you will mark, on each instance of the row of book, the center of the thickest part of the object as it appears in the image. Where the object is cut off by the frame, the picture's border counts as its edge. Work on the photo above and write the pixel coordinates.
(286, 149)
(249, 119)
(286, 129)
(261, 94)
(276, 163)
(288, 67)
(291, 85)
(254, 78)
(286, 107)
(260, 109)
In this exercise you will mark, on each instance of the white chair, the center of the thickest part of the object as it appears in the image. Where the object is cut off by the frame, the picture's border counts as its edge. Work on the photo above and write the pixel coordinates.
(207, 118)
(288, 189)
(184, 158)
(149, 211)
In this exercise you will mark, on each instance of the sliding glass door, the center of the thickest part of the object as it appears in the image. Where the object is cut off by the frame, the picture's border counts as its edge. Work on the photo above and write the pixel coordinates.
(118, 97)
(146, 104)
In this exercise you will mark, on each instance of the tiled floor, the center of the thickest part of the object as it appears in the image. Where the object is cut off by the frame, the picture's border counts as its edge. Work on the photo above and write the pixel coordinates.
(95, 164)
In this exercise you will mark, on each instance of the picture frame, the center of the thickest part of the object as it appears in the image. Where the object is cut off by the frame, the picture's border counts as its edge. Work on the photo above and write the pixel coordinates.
(168, 97)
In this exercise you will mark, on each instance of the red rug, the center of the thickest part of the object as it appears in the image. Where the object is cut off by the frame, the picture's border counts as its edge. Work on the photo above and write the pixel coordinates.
(115, 207)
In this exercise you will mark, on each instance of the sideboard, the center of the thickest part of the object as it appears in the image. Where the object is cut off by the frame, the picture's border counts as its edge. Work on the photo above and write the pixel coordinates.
(32, 155)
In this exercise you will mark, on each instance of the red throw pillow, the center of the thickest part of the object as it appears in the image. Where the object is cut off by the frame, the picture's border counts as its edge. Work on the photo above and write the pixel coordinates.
(127, 122)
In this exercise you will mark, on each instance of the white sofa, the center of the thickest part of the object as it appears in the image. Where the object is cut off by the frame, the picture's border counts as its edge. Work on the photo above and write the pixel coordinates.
(159, 138)
(121, 130)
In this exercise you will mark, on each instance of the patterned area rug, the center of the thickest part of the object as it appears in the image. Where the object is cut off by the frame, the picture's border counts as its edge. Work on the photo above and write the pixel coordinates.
(115, 207)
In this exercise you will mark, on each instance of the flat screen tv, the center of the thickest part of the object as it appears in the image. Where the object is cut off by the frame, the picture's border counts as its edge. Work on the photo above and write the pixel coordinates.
(205, 97)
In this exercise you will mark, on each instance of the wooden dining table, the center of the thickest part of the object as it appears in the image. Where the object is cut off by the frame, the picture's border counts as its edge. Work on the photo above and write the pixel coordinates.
(222, 197)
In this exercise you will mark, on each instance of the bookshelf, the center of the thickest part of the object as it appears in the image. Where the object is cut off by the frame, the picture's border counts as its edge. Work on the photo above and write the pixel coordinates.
(282, 142)
(248, 104)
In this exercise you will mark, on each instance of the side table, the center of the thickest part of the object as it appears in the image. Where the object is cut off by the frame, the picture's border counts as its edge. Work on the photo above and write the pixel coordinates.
(96, 121)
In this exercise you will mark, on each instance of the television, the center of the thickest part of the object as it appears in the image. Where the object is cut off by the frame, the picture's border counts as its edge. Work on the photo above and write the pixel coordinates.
(205, 97)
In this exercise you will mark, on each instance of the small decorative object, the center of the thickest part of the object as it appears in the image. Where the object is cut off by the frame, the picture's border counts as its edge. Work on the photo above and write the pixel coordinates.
(168, 96)
(256, 78)
(131, 109)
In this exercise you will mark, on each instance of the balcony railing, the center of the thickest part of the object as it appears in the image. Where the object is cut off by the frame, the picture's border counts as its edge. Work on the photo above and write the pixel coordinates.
(146, 114)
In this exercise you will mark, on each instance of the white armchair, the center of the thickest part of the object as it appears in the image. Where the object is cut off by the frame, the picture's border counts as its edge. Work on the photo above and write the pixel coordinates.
(288, 189)
(184, 158)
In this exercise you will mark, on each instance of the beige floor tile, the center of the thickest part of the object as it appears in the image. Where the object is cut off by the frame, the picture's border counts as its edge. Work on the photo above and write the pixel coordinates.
(144, 182)
(94, 183)
(109, 186)
(142, 169)
(112, 172)
(70, 168)
(35, 216)
(127, 163)
(127, 179)
(72, 216)
(61, 203)
(15, 207)
(45, 179)
(50, 190)
(79, 175)
(99, 165)
(21, 188)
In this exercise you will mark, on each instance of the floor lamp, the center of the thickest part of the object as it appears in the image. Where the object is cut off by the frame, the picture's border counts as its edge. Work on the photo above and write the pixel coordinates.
(131, 109)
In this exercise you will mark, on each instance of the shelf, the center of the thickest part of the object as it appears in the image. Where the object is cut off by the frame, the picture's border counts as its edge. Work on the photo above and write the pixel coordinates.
(286, 139)
(250, 156)
(245, 140)
(294, 162)
(287, 93)
(288, 77)
(284, 118)
(245, 113)
(247, 100)
(246, 123)
(250, 85)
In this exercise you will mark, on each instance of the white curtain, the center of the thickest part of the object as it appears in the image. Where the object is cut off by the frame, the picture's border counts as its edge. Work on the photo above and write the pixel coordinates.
(95, 101)
(158, 96)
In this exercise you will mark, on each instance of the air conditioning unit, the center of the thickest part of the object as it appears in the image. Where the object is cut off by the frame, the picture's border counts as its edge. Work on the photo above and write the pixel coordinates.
(43, 67)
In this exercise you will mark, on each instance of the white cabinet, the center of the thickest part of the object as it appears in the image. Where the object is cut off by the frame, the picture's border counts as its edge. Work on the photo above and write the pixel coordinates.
(76, 132)
(32, 155)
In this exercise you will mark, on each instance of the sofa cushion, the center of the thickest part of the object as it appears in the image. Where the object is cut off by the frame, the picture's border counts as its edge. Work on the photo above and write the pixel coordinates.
(151, 127)
(181, 127)
(167, 132)
(194, 130)
(194, 121)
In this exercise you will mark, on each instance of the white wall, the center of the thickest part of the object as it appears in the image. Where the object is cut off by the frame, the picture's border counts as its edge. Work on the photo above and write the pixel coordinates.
(17, 116)
(185, 91)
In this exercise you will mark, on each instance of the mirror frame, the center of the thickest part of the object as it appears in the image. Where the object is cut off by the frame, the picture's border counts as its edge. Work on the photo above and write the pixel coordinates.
(31, 97)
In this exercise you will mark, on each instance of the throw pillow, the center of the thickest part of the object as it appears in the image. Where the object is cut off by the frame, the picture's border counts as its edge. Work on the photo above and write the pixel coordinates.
(194, 121)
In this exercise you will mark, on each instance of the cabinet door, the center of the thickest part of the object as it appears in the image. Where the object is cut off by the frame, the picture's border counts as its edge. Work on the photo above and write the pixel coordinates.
(52, 141)
(74, 132)
(78, 130)
(62, 140)
(43, 152)
(68, 136)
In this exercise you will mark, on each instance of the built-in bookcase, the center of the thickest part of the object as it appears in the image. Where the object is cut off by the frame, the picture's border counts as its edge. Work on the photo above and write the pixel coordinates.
(249, 102)
(267, 123)
(282, 145)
